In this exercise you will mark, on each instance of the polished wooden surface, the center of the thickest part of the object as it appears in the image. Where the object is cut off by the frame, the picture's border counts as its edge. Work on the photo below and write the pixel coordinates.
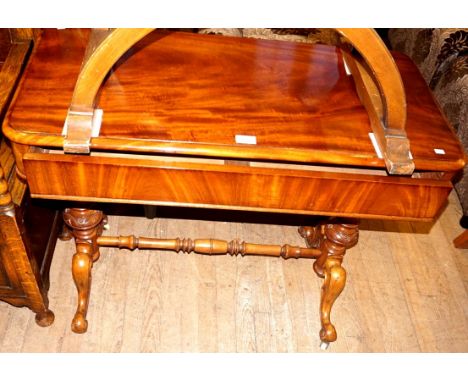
(106, 46)
(256, 87)
(96, 178)
(461, 241)
(85, 226)
(209, 246)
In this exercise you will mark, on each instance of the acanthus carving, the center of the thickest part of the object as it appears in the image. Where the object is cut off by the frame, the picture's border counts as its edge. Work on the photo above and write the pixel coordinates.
(81, 218)
(340, 237)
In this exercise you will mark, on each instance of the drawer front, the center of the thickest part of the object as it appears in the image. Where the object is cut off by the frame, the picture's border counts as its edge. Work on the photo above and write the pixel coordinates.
(85, 178)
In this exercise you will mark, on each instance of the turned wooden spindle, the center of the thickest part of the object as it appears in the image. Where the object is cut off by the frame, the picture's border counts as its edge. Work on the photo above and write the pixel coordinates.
(209, 246)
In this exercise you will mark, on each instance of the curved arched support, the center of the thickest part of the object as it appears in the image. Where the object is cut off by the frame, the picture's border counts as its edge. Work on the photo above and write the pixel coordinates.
(104, 48)
(383, 93)
(381, 90)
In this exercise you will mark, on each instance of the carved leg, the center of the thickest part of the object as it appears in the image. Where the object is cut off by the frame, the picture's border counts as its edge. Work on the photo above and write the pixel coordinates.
(86, 226)
(333, 239)
(337, 239)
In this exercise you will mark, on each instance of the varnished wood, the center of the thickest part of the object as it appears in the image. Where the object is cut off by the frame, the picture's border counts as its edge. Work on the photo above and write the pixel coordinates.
(85, 226)
(22, 271)
(291, 120)
(393, 143)
(208, 246)
(333, 238)
(230, 186)
(10, 72)
(106, 47)
(20, 35)
(27, 230)
(337, 239)
(385, 96)
(461, 241)
(276, 103)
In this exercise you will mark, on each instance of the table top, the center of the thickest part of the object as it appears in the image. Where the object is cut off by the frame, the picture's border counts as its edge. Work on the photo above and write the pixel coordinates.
(193, 94)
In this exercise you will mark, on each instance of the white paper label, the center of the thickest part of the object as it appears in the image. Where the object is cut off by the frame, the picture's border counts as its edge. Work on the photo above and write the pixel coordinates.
(246, 139)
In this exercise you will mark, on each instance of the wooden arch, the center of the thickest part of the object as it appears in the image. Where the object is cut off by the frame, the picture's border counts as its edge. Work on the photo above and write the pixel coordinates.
(377, 78)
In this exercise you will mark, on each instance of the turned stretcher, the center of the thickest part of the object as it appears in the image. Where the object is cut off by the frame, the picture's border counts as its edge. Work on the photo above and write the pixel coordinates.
(179, 119)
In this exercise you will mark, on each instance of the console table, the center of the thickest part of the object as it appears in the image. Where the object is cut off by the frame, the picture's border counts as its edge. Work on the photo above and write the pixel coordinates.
(180, 119)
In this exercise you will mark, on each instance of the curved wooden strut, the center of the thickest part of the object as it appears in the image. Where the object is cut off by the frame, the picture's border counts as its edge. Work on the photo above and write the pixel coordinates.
(383, 90)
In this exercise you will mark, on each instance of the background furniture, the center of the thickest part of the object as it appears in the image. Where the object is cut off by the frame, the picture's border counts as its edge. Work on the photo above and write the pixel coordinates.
(441, 55)
(28, 229)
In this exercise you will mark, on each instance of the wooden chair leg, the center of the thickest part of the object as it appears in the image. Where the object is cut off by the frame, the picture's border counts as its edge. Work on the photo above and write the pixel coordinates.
(86, 226)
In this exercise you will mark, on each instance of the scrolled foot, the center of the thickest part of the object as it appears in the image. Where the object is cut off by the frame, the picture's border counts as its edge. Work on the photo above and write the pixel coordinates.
(79, 324)
(328, 333)
(45, 318)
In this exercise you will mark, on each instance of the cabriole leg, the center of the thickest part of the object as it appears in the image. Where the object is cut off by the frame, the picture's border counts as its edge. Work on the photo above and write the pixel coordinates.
(85, 226)
(337, 239)
(333, 238)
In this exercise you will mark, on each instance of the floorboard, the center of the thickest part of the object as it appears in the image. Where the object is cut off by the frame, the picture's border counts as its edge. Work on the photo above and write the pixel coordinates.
(406, 292)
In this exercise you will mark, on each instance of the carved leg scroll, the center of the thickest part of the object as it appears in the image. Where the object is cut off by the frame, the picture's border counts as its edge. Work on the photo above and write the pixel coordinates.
(86, 226)
(333, 239)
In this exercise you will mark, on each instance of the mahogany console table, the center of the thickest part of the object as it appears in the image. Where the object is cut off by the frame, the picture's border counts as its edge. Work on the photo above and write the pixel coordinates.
(230, 123)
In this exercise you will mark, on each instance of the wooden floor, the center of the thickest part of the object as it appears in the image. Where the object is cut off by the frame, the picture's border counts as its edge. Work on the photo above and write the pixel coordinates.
(406, 292)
